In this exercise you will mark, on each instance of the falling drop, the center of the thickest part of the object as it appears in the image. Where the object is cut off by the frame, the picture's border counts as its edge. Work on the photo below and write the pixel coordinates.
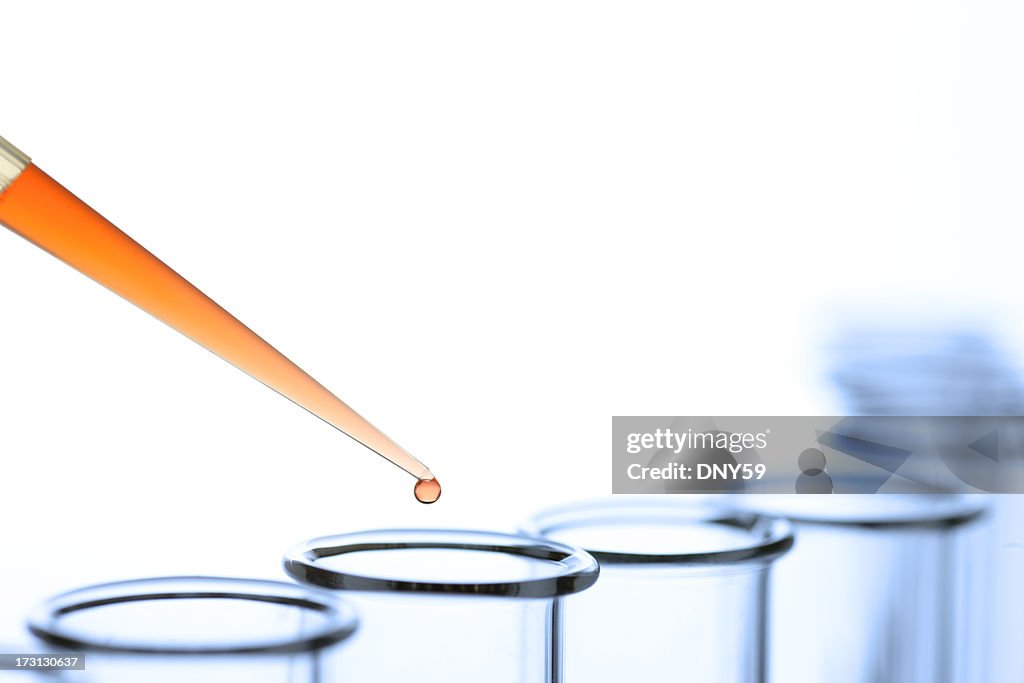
(427, 490)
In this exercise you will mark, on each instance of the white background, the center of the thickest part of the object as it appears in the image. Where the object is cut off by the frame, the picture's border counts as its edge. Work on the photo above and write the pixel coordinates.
(488, 227)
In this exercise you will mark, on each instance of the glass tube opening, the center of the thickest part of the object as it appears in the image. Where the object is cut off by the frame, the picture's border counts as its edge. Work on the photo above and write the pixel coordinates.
(888, 510)
(442, 562)
(194, 616)
(653, 532)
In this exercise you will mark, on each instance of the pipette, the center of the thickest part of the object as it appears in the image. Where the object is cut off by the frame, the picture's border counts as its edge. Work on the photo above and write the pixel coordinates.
(39, 209)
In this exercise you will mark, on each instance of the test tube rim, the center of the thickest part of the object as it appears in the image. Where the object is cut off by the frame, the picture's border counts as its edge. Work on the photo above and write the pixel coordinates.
(776, 535)
(959, 510)
(341, 623)
(580, 569)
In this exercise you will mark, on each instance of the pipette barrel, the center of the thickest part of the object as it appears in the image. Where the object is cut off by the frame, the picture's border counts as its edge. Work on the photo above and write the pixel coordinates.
(38, 208)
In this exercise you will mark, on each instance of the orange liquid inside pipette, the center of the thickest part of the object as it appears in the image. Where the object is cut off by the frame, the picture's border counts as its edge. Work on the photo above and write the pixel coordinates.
(42, 211)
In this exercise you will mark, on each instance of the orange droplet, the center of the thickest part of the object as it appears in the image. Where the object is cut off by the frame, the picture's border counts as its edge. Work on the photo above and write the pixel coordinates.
(427, 490)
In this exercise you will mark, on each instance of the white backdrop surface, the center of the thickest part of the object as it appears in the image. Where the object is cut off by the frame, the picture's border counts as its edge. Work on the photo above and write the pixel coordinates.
(488, 227)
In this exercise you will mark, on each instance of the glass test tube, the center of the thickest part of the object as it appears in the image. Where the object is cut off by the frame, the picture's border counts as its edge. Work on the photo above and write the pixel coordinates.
(950, 364)
(683, 591)
(449, 606)
(197, 629)
(879, 588)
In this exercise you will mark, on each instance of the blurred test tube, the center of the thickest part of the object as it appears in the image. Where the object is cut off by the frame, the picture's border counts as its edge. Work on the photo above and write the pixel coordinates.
(879, 588)
(917, 364)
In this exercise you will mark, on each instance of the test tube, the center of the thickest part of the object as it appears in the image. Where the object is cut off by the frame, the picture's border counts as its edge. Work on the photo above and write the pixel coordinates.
(879, 588)
(683, 594)
(197, 629)
(449, 606)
